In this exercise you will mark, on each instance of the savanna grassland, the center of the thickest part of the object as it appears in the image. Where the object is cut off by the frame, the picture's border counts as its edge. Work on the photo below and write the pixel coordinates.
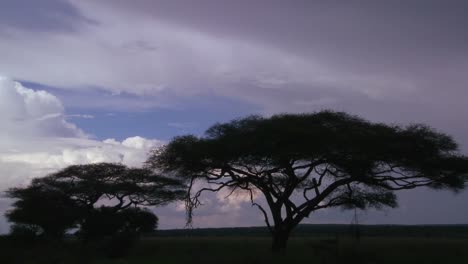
(245, 249)
(301, 250)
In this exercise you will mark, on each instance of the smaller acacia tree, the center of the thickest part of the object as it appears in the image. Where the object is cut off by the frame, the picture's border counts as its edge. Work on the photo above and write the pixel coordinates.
(42, 211)
(83, 195)
(304, 163)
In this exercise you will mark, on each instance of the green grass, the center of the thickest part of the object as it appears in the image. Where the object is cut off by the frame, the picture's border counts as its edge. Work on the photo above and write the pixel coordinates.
(247, 250)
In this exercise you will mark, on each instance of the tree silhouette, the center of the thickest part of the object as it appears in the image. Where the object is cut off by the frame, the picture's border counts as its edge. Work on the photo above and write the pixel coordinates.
(120, 186)
(105, 222)
(307, 162)
(47, 212)
(83, 195)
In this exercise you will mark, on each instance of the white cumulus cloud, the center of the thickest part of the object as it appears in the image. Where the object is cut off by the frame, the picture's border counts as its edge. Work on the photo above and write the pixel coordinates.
(28, 113)
(36, 138)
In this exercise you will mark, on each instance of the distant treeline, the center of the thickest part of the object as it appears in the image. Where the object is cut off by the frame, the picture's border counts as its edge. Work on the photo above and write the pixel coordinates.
(311, 230)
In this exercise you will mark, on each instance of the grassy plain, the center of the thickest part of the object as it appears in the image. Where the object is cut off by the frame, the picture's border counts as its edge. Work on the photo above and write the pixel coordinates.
(208, 250)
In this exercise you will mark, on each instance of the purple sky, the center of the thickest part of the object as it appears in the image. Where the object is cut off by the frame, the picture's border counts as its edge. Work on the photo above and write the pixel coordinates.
(140, 72)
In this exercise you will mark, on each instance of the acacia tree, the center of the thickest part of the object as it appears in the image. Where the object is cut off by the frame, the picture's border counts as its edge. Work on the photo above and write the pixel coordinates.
(307, 162)
(79, 194)
(42, 212)
(121, 187)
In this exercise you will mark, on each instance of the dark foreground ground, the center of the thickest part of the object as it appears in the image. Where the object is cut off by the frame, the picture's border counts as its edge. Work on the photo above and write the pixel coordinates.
(309, 244)
(248, 250)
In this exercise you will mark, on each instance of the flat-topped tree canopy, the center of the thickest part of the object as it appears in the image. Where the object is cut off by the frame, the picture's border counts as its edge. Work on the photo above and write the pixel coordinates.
(79, 194)
(329, 158)
(90, 183)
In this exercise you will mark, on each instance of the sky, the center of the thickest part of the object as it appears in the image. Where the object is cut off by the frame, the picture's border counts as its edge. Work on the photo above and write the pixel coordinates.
(87, 81)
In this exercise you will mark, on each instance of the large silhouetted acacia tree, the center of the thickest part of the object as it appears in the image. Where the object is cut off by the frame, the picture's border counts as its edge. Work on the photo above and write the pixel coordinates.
(80, 194)
(307, 162)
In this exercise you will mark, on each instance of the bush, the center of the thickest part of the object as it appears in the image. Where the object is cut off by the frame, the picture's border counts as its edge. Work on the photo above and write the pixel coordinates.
(106, 222)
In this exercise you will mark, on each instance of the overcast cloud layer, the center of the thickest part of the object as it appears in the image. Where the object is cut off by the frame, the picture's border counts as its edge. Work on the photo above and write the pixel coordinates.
(390, 61)
(394, 61)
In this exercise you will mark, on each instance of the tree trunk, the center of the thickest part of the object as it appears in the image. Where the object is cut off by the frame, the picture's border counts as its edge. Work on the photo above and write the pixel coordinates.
(280, 240)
